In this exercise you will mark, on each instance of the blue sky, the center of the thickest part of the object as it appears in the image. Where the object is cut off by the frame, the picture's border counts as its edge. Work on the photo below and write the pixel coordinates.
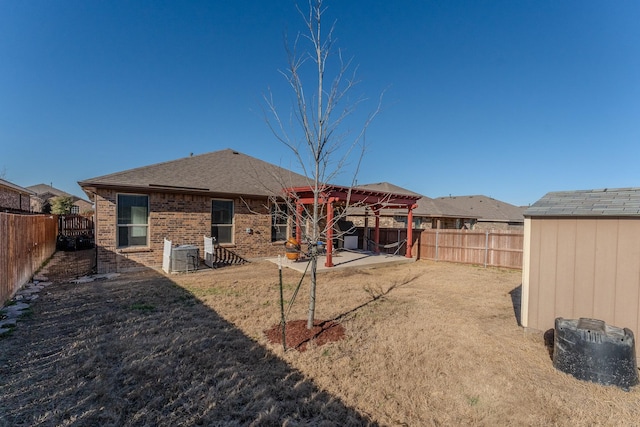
(510, 99)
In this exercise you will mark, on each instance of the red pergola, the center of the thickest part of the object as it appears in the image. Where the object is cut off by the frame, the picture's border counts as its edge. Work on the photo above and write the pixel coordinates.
(330, 195)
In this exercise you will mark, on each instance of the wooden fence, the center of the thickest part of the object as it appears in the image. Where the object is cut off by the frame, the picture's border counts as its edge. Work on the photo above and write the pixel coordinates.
(26, 241)
(488, 248)
(75, 226)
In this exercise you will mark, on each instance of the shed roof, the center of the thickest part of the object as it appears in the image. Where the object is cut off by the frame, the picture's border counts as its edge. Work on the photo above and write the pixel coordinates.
(589, 203)
(219, 172)
(485, 208)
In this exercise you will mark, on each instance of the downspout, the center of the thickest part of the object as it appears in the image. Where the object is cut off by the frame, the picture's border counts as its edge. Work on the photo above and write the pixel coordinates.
(95, 229)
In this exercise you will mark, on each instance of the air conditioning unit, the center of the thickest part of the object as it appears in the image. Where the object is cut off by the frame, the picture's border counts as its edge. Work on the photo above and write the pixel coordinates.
(185, 258)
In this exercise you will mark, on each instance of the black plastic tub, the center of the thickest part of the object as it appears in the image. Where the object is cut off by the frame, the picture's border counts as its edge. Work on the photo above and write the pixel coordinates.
(591, 350)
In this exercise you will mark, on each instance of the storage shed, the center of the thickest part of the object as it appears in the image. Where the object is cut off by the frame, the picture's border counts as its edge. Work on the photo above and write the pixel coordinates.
(582, 258)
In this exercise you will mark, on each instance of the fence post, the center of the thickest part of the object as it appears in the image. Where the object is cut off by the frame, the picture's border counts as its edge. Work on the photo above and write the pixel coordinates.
(436, 244)
(486, 248)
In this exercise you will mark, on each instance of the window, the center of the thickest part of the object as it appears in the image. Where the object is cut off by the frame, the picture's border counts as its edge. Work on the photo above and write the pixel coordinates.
(222, 220)
(75, 209)
(133, 220)
(417, 221)
(279, 221)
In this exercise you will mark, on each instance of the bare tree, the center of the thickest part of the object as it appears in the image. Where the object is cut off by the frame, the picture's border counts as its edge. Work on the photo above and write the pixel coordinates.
(316, 132)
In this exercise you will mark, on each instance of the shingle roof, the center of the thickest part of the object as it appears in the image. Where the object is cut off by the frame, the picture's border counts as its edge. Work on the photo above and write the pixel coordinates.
(485, 208)
(46, 191)
(14, 187)
(219, 172)
(427, 207)
(604, 202)
(387, 187)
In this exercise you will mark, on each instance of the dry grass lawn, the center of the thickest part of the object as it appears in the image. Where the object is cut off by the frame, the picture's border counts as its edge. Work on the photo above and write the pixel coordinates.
(426, 344)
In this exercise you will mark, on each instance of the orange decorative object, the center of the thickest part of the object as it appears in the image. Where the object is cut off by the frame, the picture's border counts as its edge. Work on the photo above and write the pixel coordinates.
(292, 249)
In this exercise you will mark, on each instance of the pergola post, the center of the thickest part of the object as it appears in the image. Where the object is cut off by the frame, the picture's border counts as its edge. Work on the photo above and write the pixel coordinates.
(376, 235)
(409, 231)
(329, 260)
(371, 199)
(299, 208)
(365, 238)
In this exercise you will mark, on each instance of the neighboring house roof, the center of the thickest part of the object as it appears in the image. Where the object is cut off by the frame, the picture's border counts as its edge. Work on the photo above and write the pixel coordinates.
(427, 207)
(485, 208)
(6, 184)
(438, 209)
(224, 172)
(387, 187)
(46, 192)
(590, 203)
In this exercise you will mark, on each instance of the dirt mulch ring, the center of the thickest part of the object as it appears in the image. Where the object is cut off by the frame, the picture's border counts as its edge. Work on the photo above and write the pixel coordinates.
(424, 344)
(297, 335)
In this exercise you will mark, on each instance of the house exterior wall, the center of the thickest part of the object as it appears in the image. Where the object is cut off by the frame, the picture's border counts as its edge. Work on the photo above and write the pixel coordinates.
(388, 221)
(183, 219)
(36, 204)
(12, 199)
(83, 206)
(496, 225)
(582, 267)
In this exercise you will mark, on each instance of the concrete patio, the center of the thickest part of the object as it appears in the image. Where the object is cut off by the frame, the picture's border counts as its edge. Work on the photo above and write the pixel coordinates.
(347, 259)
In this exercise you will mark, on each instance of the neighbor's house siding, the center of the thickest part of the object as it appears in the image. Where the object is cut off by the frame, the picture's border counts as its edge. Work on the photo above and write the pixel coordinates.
(582, 267)
(498, 225)
(183, 219)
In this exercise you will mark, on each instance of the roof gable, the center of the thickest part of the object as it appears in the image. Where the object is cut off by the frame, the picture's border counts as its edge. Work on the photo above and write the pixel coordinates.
(219, 172)
(604, 202)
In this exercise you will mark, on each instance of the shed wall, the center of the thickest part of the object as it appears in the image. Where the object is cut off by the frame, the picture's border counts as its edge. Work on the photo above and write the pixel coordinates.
(582, 267)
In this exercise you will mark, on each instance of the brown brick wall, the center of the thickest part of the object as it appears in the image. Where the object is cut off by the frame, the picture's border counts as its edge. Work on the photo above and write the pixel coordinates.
(183, 219)
(11, 199)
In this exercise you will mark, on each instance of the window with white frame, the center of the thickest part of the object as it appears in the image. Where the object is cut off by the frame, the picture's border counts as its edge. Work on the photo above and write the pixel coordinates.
(133, 220)
(279, 221)
(222, 220)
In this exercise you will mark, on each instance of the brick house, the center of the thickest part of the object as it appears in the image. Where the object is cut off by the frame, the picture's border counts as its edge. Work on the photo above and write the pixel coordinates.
(14, 198)
(224, 194)
(486, 213)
